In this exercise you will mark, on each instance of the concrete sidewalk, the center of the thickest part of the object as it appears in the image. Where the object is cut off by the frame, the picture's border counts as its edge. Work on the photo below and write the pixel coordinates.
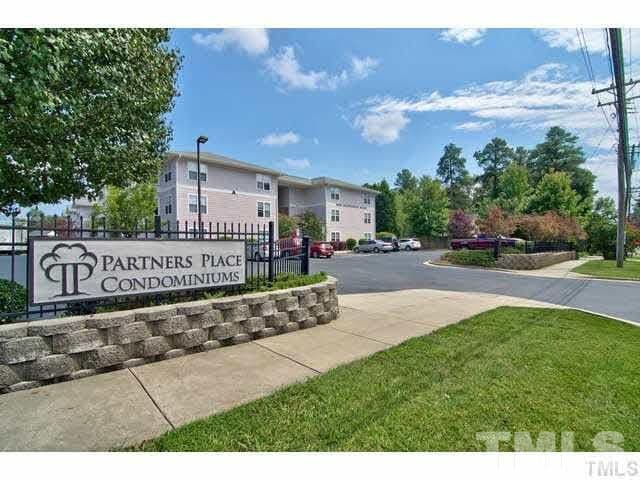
(126, 407)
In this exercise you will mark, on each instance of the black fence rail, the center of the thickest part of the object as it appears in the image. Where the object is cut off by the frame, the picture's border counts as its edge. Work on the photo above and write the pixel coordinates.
(266, 257)
(541, 247)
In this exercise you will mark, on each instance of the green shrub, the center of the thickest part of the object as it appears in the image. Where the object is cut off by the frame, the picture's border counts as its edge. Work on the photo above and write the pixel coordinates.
(481, 258)
(13, 297)
(381, 235)
(351, 243)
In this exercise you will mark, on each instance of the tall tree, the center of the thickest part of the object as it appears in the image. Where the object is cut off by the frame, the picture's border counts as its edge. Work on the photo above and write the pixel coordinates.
(406, 181)
(513, 185)
(453, 173)
(386, 207)
(583, 182)
(521, 156)
(493, 159)
(428, 208)
(130, 208)
(554, 192)
(81, 109)
(559, 151)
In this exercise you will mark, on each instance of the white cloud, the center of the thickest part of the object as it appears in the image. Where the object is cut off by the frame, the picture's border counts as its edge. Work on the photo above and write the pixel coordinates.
(381, 127)
(543, 97)
(363, 67)
(473, 36)
(595, 38)
(279, 139)
(297, 163)
(286, 69)
(474, 126)
(253, 41)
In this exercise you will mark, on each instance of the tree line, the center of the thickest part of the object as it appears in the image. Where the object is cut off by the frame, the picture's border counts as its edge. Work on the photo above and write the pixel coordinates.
(516, 180)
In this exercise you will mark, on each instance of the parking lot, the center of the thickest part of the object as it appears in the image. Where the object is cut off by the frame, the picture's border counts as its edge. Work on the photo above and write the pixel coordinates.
(366, 273)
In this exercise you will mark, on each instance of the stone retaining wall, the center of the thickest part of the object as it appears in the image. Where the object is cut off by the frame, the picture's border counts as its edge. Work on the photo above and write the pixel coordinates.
(533, 261)
(47, 351)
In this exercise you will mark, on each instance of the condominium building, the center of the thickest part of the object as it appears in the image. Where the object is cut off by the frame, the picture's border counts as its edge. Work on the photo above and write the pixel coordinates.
(235, 192)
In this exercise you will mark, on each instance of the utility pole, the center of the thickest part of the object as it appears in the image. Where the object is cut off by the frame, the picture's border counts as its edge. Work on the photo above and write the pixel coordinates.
(624, 158)
(615, 37)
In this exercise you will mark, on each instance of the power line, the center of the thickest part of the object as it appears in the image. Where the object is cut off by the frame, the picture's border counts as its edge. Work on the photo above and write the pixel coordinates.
(584, 48)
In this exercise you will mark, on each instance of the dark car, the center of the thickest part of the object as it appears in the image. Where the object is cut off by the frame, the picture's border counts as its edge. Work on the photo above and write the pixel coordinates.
(482, 242)
(321, 249)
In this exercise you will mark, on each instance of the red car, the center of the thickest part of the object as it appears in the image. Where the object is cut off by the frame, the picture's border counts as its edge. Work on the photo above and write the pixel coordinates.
(481, 242)
(321, 249)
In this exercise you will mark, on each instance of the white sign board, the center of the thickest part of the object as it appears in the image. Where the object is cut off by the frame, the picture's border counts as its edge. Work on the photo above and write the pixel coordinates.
(71, 270)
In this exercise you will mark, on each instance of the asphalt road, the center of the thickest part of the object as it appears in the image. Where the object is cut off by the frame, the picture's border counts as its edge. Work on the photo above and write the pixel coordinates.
(367, 273)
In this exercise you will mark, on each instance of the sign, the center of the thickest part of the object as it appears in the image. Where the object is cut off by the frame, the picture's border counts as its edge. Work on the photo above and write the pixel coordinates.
(72, 270)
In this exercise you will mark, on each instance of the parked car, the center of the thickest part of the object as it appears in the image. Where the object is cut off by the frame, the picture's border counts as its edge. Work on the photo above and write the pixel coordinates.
(393, 241)
(375, 246)
(409, 244)
(321, 249)
(482, 242)
(259, 252)
(289, 247)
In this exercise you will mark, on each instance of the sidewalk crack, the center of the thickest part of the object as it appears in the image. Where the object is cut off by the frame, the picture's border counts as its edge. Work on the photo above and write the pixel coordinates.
(152, 399)
(288, 358)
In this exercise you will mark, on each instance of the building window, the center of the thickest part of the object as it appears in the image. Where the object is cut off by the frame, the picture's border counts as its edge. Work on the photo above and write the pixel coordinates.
(335, 215)
(335, 236)
(167, 176)
(264, 209)
(366, 199)
(193, 204)
(167, 208)
(263, 182)
(367, 218)
(368, 236)
(193, 172)
(334, 193)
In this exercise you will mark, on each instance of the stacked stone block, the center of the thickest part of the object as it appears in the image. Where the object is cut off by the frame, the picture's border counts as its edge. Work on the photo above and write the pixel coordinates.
(533, 261)
(47, 351)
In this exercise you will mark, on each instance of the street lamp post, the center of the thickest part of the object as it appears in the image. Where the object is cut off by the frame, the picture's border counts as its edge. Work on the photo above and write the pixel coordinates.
(201, 140)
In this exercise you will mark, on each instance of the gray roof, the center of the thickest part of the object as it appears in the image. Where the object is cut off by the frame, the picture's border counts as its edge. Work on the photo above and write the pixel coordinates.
(295, 181)
(340, 183)
(215, 159)
(220, 160)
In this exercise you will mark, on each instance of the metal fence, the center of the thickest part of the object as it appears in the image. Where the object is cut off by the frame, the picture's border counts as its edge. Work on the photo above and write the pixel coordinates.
(541, 247)
(267, 257)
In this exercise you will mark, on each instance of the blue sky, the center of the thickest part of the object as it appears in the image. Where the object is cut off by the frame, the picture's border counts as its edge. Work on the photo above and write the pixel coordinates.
(361, 104)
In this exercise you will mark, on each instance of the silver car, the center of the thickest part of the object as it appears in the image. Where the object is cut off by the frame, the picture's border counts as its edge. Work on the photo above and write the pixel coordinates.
(409, 244)
(375, 246)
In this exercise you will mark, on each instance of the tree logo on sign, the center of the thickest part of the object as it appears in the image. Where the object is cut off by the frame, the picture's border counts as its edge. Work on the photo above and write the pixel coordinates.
(68, 264)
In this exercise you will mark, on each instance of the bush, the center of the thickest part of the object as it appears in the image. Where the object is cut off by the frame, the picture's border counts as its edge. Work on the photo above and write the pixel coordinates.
(13, 297)
(339, 246)
(351, 243)
(481, 258)
(381, 235)
(496, 222)
(461, 225)
(286, 225)
(549, 226)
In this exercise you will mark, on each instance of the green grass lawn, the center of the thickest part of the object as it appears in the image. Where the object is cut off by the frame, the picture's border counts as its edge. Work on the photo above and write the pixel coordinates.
(510, 369)
(608, 269)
